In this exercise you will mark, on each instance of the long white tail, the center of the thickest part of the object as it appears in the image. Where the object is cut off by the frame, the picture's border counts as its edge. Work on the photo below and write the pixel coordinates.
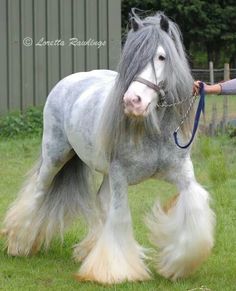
(37, 215)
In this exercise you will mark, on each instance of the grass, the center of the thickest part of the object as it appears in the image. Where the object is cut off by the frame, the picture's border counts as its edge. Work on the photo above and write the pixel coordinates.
(218, 100)
(215, 167)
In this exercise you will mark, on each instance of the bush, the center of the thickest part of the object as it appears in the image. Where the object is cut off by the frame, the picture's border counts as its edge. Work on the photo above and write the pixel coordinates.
(22, 124)
(231, 131)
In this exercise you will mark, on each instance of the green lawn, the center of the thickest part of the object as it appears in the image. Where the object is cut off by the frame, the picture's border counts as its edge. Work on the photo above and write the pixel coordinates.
(219, 101)
(215, 166)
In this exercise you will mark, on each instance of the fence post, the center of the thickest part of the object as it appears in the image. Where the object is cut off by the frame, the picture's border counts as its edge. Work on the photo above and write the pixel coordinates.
(226, 72)
(213, 124)
(211, 68)
(224, 120)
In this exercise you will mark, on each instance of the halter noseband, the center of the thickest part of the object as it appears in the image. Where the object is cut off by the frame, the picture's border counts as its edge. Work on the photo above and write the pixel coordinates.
(158, 88)
(155, 87)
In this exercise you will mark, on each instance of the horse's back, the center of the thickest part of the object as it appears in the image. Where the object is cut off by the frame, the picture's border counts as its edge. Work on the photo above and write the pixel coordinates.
(69, 89)
(63, 97)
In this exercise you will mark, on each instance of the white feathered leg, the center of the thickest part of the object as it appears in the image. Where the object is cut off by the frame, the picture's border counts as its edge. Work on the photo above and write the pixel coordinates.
(95, 222)
(183, 233)
(116, 256)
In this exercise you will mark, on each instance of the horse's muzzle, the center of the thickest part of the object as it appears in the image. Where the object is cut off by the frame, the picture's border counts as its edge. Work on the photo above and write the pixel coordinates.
(134, 106)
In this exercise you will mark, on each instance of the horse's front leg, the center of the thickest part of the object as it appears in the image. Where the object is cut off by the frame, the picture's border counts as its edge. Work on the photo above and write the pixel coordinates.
(183, 230)
(116, 256)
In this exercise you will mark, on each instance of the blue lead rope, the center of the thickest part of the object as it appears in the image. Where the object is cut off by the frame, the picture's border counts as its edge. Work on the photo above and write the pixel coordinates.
(200, 108)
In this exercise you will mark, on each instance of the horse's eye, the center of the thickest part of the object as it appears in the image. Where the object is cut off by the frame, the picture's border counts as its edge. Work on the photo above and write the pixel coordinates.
(162, 58)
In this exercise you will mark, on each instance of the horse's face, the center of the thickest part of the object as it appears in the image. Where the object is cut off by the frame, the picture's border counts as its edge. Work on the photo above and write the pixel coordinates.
(140, 98)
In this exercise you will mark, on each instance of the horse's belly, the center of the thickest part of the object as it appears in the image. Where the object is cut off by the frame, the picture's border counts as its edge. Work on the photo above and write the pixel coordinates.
(86, 150)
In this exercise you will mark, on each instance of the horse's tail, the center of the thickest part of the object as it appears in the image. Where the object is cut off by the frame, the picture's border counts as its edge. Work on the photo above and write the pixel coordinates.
(70, 195)
(38, 214)
(183, 232)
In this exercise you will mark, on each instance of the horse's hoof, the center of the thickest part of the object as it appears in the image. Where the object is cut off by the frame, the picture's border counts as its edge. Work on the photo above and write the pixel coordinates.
(110, 262)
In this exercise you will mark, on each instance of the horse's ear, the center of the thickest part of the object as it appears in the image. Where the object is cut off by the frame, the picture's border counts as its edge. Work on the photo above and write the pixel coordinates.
(134, 24)
(164, 23)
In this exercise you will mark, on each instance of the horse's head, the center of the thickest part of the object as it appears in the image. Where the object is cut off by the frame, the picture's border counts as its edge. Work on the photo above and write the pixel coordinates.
(153, 64)
(153, 70)
(147, 88)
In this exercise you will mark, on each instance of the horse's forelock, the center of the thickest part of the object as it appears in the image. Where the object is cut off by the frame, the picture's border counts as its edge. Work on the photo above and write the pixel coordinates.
(139, 50)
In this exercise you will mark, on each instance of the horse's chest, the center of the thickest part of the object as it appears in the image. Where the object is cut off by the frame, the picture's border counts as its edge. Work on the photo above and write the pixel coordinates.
(139, 163)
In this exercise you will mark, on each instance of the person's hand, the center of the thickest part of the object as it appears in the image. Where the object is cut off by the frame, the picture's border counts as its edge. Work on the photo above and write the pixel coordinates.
(196, 87)
(208, 89)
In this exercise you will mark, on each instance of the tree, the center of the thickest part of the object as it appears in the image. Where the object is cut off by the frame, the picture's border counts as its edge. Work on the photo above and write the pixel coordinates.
(205, 24)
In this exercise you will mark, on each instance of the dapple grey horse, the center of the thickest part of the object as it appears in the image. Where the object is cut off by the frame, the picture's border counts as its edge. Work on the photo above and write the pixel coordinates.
(121, 125)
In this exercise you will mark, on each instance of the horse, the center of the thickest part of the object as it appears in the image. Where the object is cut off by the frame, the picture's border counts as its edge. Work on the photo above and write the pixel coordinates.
(119, 124)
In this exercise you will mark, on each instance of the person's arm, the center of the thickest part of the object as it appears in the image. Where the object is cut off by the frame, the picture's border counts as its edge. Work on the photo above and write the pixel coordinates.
(212, 89)
(228, 87)
(209, 89)
(225, 88)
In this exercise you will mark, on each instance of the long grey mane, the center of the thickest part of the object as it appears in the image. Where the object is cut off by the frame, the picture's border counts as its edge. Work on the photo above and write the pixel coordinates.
(139, 49)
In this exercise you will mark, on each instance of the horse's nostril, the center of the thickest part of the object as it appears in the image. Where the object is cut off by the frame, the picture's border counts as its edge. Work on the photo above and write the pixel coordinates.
(136, 99)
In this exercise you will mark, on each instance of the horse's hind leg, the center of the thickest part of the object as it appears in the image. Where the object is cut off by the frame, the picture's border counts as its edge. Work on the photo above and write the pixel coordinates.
(95, 221)
(35, 215)
(183, 231)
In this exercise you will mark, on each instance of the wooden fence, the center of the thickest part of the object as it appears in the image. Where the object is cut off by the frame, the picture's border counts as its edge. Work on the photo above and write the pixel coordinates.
(44, 40)
(217, 122)
(212, 75)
